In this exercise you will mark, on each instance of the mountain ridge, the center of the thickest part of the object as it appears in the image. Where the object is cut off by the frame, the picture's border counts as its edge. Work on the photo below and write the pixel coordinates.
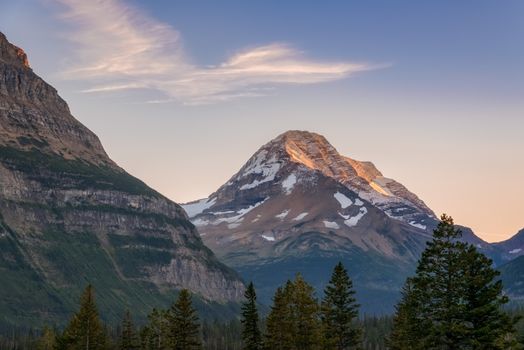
(70, 216)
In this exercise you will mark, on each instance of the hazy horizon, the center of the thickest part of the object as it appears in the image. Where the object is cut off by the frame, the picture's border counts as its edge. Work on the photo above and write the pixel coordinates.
(182, 94)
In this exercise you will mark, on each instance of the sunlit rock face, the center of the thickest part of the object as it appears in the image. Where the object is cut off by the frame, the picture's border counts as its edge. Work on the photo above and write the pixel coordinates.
(70, 216)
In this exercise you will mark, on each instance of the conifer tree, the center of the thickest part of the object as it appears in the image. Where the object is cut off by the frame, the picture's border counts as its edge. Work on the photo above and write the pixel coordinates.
(250, 321)
(340, 312)
(47, 340)
(85, 330)
(279, 333)
(183, 324)
(455, 301)
(294, 321)
(154, 336)
(488, 326)
(305, 316)
(406, 325)
(128, 339)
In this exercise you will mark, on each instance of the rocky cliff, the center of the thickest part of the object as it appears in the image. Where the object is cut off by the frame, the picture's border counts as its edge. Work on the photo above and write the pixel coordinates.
(70, 216)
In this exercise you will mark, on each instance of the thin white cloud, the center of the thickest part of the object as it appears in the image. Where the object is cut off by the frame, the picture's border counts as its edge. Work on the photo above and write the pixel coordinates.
(119, 47)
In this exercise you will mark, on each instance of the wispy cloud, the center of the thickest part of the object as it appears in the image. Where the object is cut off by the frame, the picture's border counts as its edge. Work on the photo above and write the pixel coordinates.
(119, 47)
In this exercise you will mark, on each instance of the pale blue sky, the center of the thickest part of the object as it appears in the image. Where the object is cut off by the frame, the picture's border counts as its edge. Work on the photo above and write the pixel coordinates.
(431, 91)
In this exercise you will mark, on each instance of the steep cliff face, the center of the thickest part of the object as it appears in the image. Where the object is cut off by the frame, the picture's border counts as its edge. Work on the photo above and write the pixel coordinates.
(70, 216)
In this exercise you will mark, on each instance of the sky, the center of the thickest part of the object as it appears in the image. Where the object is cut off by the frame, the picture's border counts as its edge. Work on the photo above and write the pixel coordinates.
(182, 93)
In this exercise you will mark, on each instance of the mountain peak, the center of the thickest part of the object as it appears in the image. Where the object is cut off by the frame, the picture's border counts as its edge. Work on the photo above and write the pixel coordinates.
(307, 148)
(300, 136)
(314, 150)
(12, 54)
(33, 115)
(300, 156)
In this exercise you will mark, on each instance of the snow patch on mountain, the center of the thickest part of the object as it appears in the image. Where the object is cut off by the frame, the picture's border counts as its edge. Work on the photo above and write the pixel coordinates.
(345, 217)
(415, 224)
(268, 238)
(200, 222)
(195, 208)
(331, 224)
(300, 216)
(343, 200)
(261, 166)
(282, 215)
(289, 183)
(358, 202)
(231, 221)
(353, 221)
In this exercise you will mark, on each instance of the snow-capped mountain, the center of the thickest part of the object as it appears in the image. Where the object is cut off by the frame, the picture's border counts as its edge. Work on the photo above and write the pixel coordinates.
(308, 153)
(298, 205)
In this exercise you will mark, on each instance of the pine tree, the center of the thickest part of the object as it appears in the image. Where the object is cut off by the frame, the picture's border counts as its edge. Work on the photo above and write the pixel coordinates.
(340, 312)
(85, 330)
(488, 326)
(279, 328)
(294, 321)
(305, 316)
(47, 340)
(128, 339)
(250, 321)
(406, 324)
(154, 336)
(183, 325)
(454, 302)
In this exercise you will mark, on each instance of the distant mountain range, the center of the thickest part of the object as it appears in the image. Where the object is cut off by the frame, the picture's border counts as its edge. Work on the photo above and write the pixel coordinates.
(70, 216)
(297, 205)
(512, 275)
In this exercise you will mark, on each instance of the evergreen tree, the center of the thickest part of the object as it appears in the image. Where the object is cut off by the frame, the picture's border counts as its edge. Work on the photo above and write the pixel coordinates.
(279, 332)
(128, 339)
(406, 325)
(488, 326)
(47, 340)
(85, 330)
(454, 302)
(183, 325)
(294, 321)
(305, 316)
(154, 336)
(250, 321)
(340, 312)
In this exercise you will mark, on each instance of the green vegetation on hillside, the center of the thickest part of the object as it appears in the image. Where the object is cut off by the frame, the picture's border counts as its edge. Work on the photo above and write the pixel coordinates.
(454, 301)
(85, 175)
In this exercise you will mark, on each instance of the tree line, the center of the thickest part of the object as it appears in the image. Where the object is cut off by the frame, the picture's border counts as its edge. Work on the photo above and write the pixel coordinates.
(454, 301)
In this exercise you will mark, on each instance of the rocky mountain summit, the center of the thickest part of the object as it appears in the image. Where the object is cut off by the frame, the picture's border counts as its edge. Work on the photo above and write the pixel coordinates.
(298, 205)
(70, 216)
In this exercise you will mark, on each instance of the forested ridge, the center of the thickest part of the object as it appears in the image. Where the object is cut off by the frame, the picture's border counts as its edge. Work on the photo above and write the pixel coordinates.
(454, 301)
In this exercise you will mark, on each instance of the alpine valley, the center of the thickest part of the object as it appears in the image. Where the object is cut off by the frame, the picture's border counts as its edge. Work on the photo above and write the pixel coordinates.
(298, 206)
(70, 216)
